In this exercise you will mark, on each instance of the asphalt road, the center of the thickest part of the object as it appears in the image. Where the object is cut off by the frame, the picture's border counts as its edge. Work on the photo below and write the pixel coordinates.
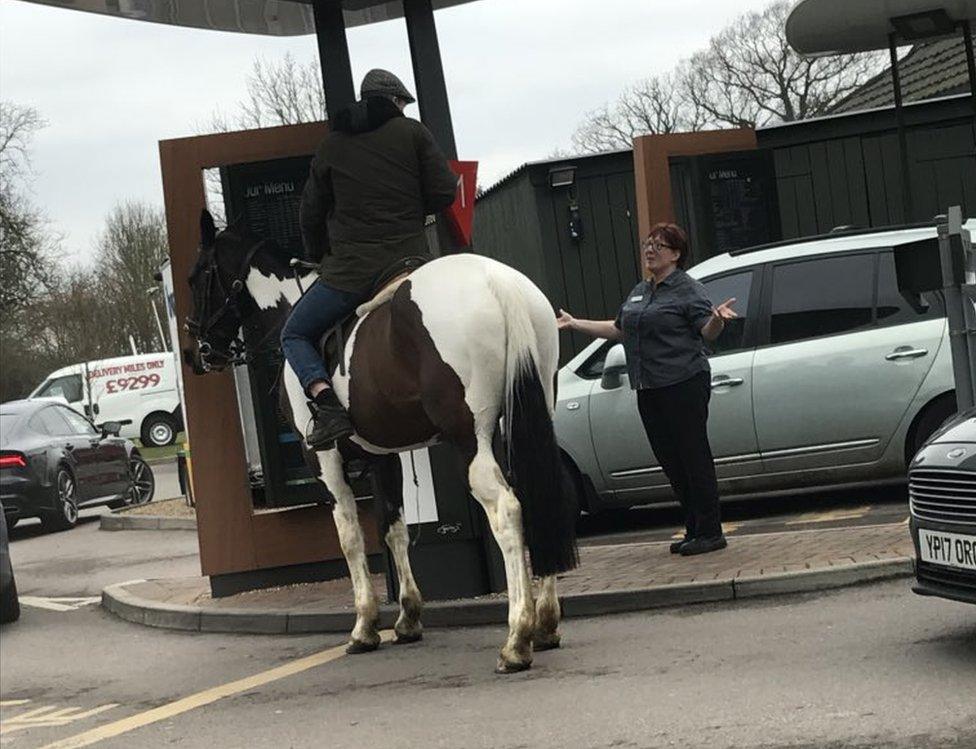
(868, 666)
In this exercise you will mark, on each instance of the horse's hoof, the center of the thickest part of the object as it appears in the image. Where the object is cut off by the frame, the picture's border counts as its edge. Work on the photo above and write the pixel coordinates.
(356, 647)
(507, 667)
(407, 639)
(545, 643)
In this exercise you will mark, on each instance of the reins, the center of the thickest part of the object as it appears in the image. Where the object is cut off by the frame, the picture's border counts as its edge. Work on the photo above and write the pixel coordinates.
(200, 329)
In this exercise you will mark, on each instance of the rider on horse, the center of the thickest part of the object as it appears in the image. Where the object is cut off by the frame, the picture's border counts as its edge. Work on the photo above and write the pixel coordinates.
(373, 181)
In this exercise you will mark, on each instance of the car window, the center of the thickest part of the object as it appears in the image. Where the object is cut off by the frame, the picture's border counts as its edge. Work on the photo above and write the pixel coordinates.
(53, 424)
(895, 309)
(737, 286)
(67, 387)
(821, 297)
(37, 424)
(79, 424)
(7, 422)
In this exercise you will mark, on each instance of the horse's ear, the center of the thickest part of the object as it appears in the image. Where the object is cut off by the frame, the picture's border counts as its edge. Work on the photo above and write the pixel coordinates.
(208, 230)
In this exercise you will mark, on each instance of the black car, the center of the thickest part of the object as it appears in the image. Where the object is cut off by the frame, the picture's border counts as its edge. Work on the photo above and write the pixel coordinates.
(53, 461)
(9, 604)
(942, 492)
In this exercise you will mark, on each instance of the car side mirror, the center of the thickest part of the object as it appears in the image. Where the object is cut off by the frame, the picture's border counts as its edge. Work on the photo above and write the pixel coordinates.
(111, 428)
(614, 368)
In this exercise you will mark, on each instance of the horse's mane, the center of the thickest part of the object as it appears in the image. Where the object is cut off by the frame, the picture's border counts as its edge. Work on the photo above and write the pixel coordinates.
(268, 256)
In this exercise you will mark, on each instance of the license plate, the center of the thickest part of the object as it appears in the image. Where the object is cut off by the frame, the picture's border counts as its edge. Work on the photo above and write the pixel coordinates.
(947, 549)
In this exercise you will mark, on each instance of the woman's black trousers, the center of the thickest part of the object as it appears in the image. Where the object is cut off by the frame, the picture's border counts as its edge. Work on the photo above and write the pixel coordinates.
(676, 421)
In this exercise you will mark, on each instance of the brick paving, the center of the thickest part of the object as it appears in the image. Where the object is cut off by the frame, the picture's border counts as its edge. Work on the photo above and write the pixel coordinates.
(602, 569)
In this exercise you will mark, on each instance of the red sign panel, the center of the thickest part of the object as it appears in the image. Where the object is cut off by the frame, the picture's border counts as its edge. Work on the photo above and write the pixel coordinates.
(460, 215)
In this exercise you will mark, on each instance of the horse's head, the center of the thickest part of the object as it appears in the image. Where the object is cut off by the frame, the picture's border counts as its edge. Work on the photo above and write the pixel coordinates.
(219, 298)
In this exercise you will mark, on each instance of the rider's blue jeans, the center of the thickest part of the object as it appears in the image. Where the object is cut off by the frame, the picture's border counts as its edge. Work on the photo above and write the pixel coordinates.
(319, 309)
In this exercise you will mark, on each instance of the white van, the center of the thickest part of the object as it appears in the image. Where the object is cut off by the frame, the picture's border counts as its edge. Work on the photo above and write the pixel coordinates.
(138, 391)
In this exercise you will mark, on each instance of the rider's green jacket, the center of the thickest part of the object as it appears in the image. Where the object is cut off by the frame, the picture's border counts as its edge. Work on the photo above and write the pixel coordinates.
(374, 179)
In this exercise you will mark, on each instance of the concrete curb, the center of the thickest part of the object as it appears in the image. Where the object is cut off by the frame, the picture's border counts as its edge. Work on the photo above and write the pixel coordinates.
(466, 613)
(120, 520)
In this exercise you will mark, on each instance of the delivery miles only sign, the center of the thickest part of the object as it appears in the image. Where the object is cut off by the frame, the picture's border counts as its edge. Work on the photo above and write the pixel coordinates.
(134, 376)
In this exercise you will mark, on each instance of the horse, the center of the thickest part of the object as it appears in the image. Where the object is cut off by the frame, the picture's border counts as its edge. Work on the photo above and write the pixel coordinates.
(462, 347)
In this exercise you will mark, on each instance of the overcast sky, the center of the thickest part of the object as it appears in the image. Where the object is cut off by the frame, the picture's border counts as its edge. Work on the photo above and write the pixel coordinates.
(520, 74)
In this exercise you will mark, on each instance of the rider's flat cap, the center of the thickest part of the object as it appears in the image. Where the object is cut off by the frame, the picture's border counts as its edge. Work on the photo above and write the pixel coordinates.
(379, 82)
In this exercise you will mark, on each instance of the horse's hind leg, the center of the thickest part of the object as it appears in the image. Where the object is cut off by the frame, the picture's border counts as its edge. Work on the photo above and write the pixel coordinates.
(365, 634)
(505, 518)
(547, 615)
(388, 489)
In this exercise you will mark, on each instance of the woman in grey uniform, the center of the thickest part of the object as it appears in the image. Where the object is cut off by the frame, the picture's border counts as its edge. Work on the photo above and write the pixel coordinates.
(664, 324)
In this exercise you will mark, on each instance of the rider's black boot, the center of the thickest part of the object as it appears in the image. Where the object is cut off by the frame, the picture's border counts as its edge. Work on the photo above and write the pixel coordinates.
(330, 421)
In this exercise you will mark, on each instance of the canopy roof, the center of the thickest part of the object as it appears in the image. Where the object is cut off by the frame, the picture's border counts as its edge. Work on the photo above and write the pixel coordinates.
(269, 17)
(823, 27)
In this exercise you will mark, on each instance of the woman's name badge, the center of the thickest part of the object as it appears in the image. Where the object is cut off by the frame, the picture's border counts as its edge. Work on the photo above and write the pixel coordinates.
(637, 299)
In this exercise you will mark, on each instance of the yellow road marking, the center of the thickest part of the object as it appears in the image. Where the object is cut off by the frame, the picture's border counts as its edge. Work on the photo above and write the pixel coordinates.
(831, 515)
(206, 697)
(8, 703)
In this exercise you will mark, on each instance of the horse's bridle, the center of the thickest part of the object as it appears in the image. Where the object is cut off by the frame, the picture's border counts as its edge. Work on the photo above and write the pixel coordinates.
(235, 352)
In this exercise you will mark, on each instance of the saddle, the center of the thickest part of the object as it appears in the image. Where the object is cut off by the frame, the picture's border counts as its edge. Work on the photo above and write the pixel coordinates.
(333, 341)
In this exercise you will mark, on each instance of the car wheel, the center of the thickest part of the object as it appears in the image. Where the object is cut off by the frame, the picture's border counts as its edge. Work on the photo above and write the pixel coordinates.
(143, 484)
(9, 604)
(158, 430)
(931, 419)
(65, 514)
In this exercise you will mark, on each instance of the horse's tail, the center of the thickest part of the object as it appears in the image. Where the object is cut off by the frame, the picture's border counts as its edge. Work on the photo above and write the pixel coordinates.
(548, 502)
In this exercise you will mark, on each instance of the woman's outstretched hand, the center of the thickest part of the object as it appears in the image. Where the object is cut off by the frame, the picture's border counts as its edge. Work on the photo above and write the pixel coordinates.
(724, 311)
(564, 320)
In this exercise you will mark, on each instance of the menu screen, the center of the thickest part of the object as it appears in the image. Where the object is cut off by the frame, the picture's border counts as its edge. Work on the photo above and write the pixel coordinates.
(741, 192)
(266, 195)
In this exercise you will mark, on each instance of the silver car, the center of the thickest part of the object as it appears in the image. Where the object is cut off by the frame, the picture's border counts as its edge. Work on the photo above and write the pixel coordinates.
(829, 378)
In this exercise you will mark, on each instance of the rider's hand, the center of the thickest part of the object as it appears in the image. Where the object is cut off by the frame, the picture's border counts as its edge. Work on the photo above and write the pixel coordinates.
(564, 320)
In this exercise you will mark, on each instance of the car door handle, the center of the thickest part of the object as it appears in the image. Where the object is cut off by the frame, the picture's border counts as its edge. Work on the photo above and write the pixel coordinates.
(721, 382)
(906, 353)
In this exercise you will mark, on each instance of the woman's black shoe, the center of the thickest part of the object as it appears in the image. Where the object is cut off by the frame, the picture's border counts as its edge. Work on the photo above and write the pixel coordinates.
(675, 547)
(702, 545)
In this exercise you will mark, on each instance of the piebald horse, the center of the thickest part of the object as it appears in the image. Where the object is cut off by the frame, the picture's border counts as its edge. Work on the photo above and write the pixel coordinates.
(461, 347)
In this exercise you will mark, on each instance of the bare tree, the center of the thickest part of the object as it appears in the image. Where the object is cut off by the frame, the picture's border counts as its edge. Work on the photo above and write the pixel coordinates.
(652, 105)
(281, 92)
(130, 249)
(27, 247)
(748, 76)
(78, 320)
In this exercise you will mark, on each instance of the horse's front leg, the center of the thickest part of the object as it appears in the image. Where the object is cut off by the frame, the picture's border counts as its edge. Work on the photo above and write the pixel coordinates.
(365, 635)
(387, 477)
